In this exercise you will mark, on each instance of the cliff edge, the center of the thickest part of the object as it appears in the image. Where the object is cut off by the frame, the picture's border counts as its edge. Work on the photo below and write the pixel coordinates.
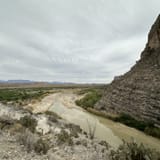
(137, 92)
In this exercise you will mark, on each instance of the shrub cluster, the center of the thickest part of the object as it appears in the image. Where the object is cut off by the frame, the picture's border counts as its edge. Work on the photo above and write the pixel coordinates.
(147, 127)
(89, 100)
(16, 95)
(64, 138)
(52, 116)
(41, 146)
(28, 122)
(153, 131)
(32, 142)
(133, 151)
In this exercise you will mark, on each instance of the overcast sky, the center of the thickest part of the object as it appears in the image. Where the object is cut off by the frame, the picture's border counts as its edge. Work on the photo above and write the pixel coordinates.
(72, 40)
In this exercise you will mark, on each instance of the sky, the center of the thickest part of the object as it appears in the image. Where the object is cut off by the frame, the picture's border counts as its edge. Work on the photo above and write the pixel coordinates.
(83, 41)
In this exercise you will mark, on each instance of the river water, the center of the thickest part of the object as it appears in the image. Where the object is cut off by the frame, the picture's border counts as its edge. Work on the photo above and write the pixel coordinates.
(107, 130)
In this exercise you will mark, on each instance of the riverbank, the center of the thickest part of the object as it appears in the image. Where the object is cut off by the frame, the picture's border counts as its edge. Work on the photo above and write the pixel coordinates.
(64, 105)
(146, 127)
(91, 97)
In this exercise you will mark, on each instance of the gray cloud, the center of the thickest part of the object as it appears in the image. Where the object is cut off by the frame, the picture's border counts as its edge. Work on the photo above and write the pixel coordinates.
(73, 40)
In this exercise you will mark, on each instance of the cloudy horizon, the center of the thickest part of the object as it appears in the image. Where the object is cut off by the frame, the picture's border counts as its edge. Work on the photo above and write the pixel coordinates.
(83, 41)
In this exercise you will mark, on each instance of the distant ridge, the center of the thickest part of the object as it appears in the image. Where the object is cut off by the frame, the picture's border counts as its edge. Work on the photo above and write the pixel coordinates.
(31, 82)
(16, 81)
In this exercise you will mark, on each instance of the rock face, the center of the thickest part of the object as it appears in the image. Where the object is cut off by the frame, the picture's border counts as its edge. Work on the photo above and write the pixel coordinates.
(137, 92)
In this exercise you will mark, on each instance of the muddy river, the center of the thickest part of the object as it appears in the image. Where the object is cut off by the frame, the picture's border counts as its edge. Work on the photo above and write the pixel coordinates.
(113, 133)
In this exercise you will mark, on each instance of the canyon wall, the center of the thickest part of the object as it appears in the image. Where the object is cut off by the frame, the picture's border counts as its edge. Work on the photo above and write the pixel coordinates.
(137, 92)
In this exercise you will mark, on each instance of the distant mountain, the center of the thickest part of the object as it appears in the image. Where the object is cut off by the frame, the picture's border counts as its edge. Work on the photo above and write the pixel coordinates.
(56, 82)
(1, 81)
(16, 81)
(31, 82)
(20, 81)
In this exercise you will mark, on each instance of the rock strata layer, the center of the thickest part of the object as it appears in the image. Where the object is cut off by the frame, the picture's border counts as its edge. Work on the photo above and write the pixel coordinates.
(137, 92)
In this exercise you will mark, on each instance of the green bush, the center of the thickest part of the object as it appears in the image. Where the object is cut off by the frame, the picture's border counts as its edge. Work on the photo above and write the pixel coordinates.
(147, 127)
(84, 91)
(130, 121)
(153, 131)
(89, 100)
(9, 95)
(28, 122)
(133, 151)
(15, 95)
(53, 114)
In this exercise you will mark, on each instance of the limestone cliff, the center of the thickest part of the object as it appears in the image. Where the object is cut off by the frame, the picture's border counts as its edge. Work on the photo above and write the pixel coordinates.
(138, 91)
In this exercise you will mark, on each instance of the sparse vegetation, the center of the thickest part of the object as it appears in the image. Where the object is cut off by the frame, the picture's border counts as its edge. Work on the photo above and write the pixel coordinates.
(64, 138)
(133, 151)
(41, 146)
(28, 122)
(90, 99)
(32, 142)
(91, 130)
(84, 91)
(6, 121)
(28, 139)
(74, 129)
(21, 96)
(52, 116)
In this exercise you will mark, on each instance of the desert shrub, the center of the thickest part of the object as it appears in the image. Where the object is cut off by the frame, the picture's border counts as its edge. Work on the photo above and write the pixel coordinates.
(28, 122)
(133, 151)
(6, 121)
(32, 143)
(52, 119)
(16, 128)
(27, 139)
(64, 137)
(74, 129)
(50, 113)
(52, 116)
(91, 129)
(41, 146)
(89, 100)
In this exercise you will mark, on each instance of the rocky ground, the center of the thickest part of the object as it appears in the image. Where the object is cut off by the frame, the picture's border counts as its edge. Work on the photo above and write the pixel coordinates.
(50, 138)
